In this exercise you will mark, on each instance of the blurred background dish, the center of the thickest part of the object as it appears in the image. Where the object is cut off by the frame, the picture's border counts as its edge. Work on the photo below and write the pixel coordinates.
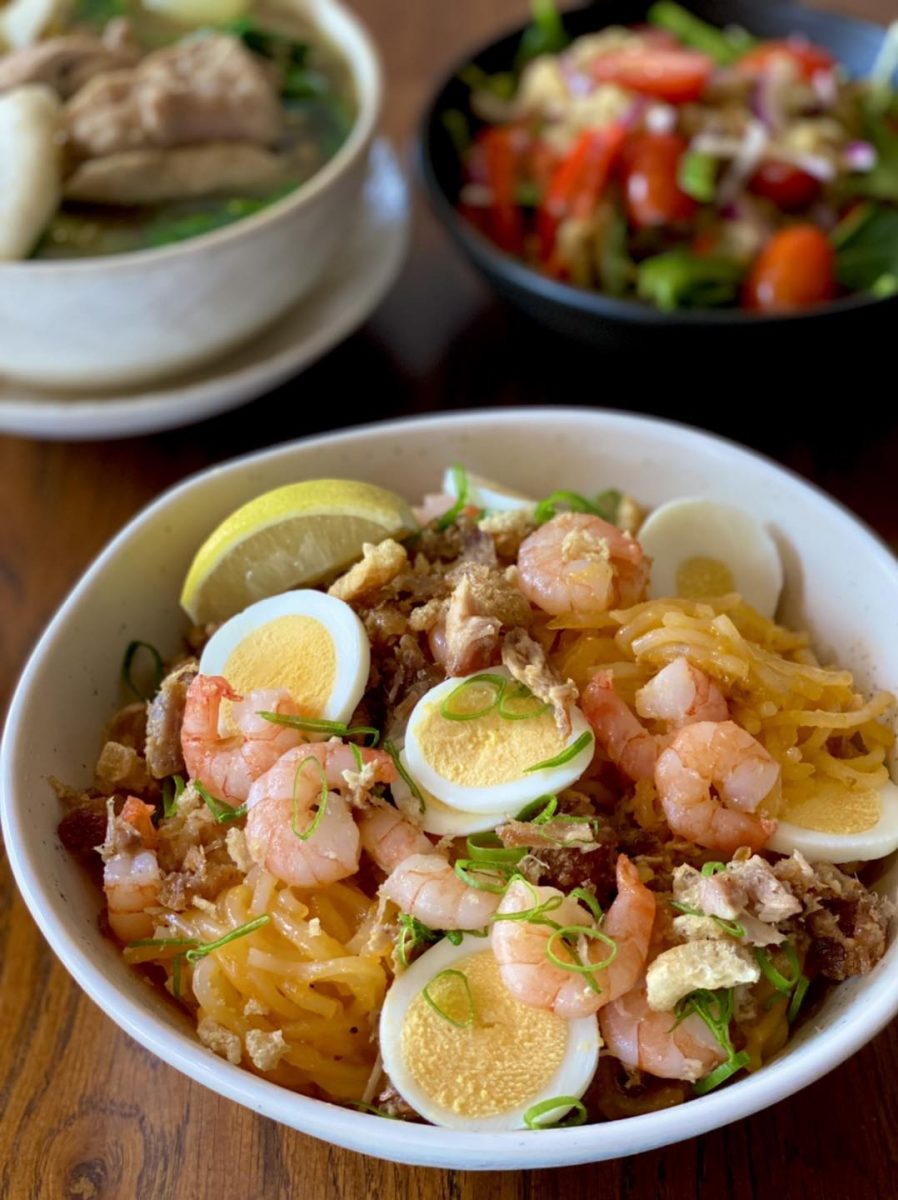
(600, 318)
(202, 220)
(363, 269)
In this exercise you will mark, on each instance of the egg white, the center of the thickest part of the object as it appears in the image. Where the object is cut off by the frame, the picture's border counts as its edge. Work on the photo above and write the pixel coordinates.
(698, 528)
(484, 493)
(819, 846)
(507, 797)
(351, 646)
(438, 818)
(571, 1079)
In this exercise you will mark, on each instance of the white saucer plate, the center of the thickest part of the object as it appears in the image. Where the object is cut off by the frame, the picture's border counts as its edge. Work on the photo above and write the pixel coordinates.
(355, 284)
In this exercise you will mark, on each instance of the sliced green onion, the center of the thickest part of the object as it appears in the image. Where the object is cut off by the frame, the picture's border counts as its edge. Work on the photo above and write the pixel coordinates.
(455, 936)
(310, 829)
(374, 1110)
(697, 176)
(486, 848)
(317, 725)
(172, 789)
(559, 760)
(449, 973)
(587, 970)
(128, 665)
(798, 995)
(775, 978)
(713, 868)
(463, 869)
(495, 681)
(533, 1114)
(390, 748)
(176, 976)
(589, 899)
(721, 1074)
(573, 502)
(241, 931)
(223, 813)
(536, 914)
(607, 504)
(522, 692)
(539, 811)
(412, 934)
(357, 755)
(462, 486)
(733, 928)
(162, 942)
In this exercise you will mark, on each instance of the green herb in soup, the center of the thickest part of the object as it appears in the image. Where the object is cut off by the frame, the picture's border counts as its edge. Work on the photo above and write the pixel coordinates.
(170, 126)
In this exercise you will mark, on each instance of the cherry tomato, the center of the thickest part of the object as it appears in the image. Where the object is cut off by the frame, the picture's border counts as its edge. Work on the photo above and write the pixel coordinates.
(790, 188)
(650, 168)
(577, 185)
(673, 75)
(808, 58)
(796, 269)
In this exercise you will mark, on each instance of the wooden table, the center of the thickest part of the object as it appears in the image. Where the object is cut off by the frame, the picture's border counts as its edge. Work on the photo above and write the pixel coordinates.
(87, 1114)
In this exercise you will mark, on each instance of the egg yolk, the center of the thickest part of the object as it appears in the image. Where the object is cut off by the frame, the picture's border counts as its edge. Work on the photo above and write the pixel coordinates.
(834, 808)
(699, 577)
(293, 652)
(488, 750)
(501, 1061)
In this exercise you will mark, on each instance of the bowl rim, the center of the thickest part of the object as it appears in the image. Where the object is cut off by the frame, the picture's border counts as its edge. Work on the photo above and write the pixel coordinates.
(355, 146)
(592, 303)
(399, 1141)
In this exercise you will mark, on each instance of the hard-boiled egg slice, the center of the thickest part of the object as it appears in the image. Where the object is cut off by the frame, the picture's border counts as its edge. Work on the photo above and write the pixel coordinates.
(436, 817)
(484, 493)
(491, 763)
(479, 1059)
(305, 641)
(702, 548)
(840, 824)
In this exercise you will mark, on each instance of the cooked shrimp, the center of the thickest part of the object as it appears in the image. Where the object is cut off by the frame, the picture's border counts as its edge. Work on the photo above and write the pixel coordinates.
(389, 838)
(579, 563)
(281, 804)
(426, 887)
(227, 766)
(655, 1043)
(131, 875)
(627, 743)
(726, 758)
(681, 694)
(520, 946)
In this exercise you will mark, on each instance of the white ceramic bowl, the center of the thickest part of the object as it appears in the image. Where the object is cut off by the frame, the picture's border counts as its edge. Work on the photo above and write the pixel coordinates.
(848, 598)
(128, 318)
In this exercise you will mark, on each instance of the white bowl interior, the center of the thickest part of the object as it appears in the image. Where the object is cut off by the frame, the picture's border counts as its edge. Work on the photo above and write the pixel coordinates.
(848, 599)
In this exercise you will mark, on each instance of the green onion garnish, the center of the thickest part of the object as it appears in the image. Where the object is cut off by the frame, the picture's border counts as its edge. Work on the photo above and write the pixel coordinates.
(390, 748)
(161, 942)
(223, 813)
(797, 997)
(316, 725)
(374, 1110)
(588, 898)
(479, 882)
(357, 755)
(497, 682)
(460, 477)
(305, 834)
(539, 811)
(522, 693)
(713, 868)
(241, 931)
(794, 985)
(559, 760)
(588, 970)
(128, 664)
(605, 505)
(176, 976)
(721, 1074)
(733, 928)
(488, 850)
(449, 973)
(533, 1114)
(536, 914)
(716, 1010)
(412, 934)
(172, 788)
(455, 936)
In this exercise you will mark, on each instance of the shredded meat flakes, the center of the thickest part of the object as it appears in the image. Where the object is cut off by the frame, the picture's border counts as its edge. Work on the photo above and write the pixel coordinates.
(527, 662)
(165, 713)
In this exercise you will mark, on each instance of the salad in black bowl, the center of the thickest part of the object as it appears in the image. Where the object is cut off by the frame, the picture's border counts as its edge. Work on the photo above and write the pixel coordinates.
(736, 164)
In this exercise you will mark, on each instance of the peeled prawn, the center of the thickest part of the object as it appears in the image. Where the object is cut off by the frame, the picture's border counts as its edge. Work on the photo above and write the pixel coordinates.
(681, 694)
(578, 563)
(654, 1041)
(627, 743)
(227, 766)
(131, 874)
(282, 809)
(521, 947)
(710, 780)
(388, 838)
(426, 887)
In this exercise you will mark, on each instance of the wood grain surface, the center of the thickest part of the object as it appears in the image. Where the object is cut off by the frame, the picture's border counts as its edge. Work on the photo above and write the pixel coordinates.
(84, 1112)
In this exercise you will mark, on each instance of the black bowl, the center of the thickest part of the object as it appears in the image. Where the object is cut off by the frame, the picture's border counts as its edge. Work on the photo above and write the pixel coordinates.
(605, 321)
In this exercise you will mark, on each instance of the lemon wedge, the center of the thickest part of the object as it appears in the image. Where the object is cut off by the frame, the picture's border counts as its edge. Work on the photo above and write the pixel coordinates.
(292, 537)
